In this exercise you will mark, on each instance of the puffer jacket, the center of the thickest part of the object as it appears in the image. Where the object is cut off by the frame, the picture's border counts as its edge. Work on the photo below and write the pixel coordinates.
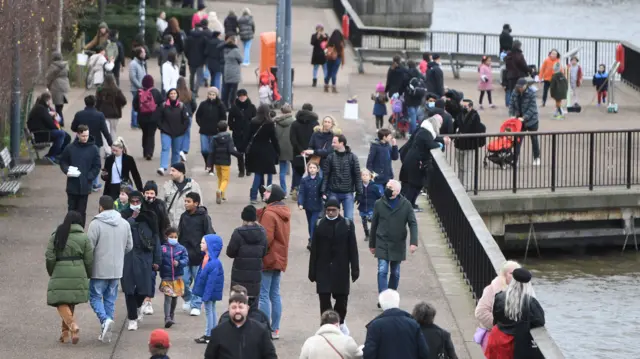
(524, 105)
(379, 160)
(173, 253)
(172, 120)
(209, 283)
(232, 60)
(231, 25)
(221, 149)
(320, 143)
(247, 247)
(247, 27)
(283, 132)
(192, 227)
(209, 114)
(302, 130)
(276, 220)
(341, 172)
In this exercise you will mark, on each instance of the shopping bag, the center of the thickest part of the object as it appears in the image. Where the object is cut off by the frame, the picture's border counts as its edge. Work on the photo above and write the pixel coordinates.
(350, 111)
(82, 59)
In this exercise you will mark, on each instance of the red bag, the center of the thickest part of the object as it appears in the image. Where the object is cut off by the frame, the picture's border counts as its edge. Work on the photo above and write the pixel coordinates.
(147, 102)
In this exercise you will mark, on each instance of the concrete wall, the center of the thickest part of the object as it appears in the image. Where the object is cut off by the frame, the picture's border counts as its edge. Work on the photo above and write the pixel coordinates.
(394, 13)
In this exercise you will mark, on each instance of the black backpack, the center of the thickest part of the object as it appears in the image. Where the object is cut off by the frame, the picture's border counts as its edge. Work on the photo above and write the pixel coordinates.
(415, 84)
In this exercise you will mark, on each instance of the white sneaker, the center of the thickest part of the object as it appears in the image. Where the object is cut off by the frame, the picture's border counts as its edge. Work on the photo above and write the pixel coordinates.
(186, 306)
(133, 325)
(160, 171)
(183, 156)
(536, 162)
(195, 312)
(147, 308)
(140, 314)
(105, 336)
(344, 329)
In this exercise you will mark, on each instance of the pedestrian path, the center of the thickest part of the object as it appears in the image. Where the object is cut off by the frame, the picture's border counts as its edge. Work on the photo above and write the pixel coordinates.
(29, 328)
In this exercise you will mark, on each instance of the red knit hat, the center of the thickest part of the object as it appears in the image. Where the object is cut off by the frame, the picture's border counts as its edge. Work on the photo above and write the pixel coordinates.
(159, 339)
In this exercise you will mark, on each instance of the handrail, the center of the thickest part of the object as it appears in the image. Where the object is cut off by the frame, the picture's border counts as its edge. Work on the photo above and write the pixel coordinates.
(481, 234)
(535, 133)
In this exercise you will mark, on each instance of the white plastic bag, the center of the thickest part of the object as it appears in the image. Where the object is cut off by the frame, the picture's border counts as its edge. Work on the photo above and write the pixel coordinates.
(350, 111)
(82, 59)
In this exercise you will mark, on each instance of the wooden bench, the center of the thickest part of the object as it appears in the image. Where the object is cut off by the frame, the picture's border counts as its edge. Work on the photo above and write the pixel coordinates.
(8, 185)
(33, 145)
(15, 170)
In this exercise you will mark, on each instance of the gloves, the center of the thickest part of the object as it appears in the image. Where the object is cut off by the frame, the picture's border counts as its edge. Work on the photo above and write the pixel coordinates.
(441, 145)
(312, 278)
(355, 275)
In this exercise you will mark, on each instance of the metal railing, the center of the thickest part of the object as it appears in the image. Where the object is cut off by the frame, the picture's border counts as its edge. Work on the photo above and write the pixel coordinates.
(572, 159)
(593, 52)
(477, 253)
(631, 74)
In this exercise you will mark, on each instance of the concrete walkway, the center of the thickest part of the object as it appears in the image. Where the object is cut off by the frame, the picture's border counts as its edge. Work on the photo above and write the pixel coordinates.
(30, 328)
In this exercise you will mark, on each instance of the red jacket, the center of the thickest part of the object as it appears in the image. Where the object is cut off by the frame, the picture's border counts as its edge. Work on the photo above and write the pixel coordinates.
(276, 220)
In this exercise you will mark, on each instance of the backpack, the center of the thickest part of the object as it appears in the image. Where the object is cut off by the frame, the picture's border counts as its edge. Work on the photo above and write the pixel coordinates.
(415, 84)
(147, 102)
(396, 106)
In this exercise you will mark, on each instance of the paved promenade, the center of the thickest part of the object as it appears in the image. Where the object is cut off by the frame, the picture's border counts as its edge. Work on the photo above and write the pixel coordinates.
(29, 328)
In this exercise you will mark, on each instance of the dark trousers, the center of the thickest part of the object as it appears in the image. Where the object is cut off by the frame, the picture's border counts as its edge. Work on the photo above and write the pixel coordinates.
(60, 139)
(340, 306)
(59, 111)
(133, 301)
(78, 203)
(229, 93)
(379, 122)
(148, 138)
(535, 144)
(241, 168)
(545, 91)
(482, 97)
(411, 192)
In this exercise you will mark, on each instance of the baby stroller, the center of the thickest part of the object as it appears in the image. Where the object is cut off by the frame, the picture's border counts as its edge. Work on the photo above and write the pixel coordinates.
(398, 120)
(501, 151)
(271, 95)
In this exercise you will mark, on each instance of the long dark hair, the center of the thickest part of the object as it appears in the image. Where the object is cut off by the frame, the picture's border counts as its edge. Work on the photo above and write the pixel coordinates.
(336, 40)
(263, 115)
(63, 230)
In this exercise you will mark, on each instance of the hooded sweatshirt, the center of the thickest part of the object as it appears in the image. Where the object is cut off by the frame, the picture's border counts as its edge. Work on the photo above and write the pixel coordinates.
(110, 235)
(209, 283)
(276, 220)
(283, 132)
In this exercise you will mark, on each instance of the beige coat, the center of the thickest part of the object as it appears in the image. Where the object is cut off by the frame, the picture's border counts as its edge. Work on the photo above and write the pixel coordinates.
(484, 309)
(316, 347)
(177, 209)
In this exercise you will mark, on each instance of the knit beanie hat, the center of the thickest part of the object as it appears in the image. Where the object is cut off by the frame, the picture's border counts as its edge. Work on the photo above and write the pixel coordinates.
(179, 166)
(151, 186)
(249, 214)
(379, 87)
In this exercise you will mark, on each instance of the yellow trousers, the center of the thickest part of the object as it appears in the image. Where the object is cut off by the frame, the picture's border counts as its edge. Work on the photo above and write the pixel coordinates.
(223, 177)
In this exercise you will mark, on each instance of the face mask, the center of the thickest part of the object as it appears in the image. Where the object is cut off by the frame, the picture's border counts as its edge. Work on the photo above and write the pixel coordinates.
(388, 192)
(172, 241)
(431, 104)
(150, 199)
(331, 218)
(465, 110)
(136, 207)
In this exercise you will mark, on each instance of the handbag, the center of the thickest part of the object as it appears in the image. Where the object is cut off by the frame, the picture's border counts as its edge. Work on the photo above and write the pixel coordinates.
(248, 148)
(331, 53)
(478, 336)
(332, 347)
(123, 181)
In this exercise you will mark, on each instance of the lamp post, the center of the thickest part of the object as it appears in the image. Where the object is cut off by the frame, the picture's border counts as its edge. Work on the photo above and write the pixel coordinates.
(280, 35)
(141, 12)
(286, 77)
(15, 92)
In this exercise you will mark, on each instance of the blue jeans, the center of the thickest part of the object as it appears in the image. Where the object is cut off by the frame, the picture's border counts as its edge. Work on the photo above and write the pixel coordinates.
(247, 51)
(211, 317)
(258, 180)
(346, 201)
(217, 81)
(170, 143)
(383, 271)
(102, 297)
(332, 71)
(282, 171)
(207, 74)
(413, 118)
(134, 114)
(186, 142)
(205, 144)
(60, 141)
(315, 70)
(312, 219)
(507, 97)
(96, 181)
(189, 278)
(270, 301)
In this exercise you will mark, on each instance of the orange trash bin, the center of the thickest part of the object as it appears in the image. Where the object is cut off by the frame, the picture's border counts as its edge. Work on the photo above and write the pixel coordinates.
(267, 51)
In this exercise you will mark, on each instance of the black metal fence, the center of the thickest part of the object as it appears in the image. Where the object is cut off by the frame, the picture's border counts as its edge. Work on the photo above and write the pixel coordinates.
(584, 159)
(631, 74)
(593, 52)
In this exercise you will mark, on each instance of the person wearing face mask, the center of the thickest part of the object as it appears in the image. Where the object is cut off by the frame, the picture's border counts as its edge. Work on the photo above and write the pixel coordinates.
(210, 112)
(333, 261)
(388, 241)
(466, 146)
(145, 256)
(239, 336)
(436, 106)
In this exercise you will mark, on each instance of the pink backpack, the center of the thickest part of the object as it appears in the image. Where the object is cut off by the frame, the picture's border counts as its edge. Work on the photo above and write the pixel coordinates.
(147, 102)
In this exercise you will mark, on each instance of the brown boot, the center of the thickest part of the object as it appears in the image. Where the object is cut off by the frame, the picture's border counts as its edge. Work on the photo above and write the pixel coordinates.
(64, 336)
(334, 89)
(75, 333)
(67, 320)
(326, 88)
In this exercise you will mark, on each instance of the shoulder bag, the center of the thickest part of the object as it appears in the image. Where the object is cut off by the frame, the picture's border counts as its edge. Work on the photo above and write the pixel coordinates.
(248, 148)
(332, 347)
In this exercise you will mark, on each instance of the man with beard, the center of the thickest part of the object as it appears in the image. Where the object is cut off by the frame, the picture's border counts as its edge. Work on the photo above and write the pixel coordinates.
(240, 337)
(240, 116)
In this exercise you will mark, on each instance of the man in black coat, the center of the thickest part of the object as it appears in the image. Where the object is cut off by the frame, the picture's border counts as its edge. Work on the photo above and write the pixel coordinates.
(517, 68)
(240, 337)
(396, 78)
(215, 58)
(156, 205)
(195, 51)
(465, 147)
(435, 77)
(506, 40)
(334, 250)
(299, 135)
(240, 116)
(85, 156)
(254, 312)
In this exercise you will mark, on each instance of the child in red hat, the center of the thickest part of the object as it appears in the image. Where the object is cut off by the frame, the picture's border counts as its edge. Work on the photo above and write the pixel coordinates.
(159, 344)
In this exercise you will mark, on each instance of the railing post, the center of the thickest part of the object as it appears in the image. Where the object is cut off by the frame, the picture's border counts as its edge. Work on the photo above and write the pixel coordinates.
(476, 166)
(484, 44)
(595, 56)
(516, 160)
(539, 53)
(567, 49)
(553, 162)
(430, 41)
(379, 41)
(629, 155)
(592, 154)
(457, 42)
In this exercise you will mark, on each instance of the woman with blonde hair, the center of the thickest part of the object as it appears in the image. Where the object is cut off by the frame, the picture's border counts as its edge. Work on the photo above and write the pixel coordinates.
(120, 169)
(188, 100)
(484, 309)
(320, 142)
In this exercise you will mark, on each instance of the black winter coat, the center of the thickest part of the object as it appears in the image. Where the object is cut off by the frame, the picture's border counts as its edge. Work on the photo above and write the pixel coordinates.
(333, 262)
(394, 334)
(231, 25)
(145, 253)
(173, 120)
(435, 79)
(438, 341)
(470, 124)
(40, 120)
(396, 80)
(265, 150)
(159, 207)
(128, 172)
(214, 55)
(209, 114)
(247, 247)
(516, 65)
(85, 156)
(195, 48)
(506, 41)
(534, 318)
(448, 124)
(418, 158)
(317, 55)
(191, 229)
(302, 130)
(341, 172)
(96, 122)
(179, 38)
(110, 102)
(320, 143)
(221, 149)
(240, 116)
(250, 341)
(148, 118)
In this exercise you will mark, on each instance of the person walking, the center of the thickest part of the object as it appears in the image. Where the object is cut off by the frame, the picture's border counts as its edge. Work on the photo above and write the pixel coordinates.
(394, 333)
(576, 77)
(392, 214)
(262, 150)
(310, 199)
(299, 136)
(240, 115)
(341, 173)
(69, 260)
(275, 217)
(179, 37)
(396, 78)
(371, 192)
(334, 52)
(435, 77)
(170, 72)
(57, 77)
(466, 147)
(111, 238)
(438, 340)
(175, 191)
(80, 162)
(200, 15)
(246, 31)
(283, 133)
(329, 340)
(174, 261)
(232, 71)
(209, 284)
(559, 89)
(137, 72)
(188, 98)
(97, 66)
(110, 100)
(215, 24)
(231, 24)
(320, 146)
(506, 40)
(43, 124)
(209, 114)
(525, 108)
(247, 247)
(382, 152)
(547, 69)
(485, 81)
(318, 59)
(119, 170)
(215, 58)
(516, 68)
(220, 152)
(163, 53)
(97, 124)
(145, 102)
(145, 256)
(114, 38)
(173, 122)
(333, 262)
(195, 52)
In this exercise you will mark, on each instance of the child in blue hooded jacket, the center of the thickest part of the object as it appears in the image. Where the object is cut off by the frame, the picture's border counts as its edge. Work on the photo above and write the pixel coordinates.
(210, 282)
(174, 260)
(371, 192)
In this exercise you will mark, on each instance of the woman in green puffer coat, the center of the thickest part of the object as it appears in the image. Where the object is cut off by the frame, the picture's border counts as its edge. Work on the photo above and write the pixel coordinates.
(69, 259)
